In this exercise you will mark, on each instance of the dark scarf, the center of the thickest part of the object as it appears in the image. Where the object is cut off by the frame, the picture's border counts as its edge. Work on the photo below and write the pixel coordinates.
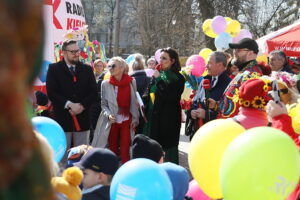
(124, 93)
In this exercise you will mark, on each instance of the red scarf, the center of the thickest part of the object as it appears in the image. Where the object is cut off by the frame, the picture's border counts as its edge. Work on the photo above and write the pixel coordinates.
(124, 93)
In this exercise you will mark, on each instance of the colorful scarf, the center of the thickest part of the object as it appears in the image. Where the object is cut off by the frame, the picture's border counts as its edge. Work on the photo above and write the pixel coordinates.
(124, 93)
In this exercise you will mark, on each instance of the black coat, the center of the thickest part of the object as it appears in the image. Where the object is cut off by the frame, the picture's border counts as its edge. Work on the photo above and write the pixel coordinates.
(166, 117)
(142, 81)
(61, 88)
(99, 194)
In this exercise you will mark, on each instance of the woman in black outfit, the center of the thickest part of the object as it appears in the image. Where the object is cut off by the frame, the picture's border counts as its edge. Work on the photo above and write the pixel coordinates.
(164, 110)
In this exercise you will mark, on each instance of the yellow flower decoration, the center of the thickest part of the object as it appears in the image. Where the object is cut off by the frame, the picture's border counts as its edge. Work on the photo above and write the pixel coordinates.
(258, 102)
(236, 95)
(266, 88)
(241, 101)
(246, 103)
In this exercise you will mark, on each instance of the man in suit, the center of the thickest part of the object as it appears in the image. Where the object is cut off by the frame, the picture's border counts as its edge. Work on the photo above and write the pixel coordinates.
(219, 79)
(71, 87)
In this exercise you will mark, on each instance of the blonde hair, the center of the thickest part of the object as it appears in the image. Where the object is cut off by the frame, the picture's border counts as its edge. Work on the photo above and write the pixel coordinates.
(138, 63)
(99, 61)
(120, 61)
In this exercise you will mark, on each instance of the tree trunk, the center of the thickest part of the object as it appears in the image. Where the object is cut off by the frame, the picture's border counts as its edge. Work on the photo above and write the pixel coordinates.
(117, 29)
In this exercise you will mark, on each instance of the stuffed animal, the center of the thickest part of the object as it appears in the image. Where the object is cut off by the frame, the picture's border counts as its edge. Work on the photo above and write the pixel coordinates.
(68, 184)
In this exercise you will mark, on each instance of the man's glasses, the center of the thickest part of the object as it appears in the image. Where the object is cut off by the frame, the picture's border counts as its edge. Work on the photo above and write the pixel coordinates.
(111, 66)
(74, 51)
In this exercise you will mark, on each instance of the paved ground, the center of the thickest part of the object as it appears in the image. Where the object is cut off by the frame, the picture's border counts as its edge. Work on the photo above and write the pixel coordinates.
(184, 144)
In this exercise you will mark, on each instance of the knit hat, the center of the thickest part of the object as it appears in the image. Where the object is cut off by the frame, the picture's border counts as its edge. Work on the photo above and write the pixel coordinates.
(179, 178)
(253, 93)
(69, 183)
(99, 160)
(145, 147)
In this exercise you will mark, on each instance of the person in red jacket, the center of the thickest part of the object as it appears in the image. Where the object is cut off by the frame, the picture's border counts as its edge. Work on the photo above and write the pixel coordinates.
(282, 121)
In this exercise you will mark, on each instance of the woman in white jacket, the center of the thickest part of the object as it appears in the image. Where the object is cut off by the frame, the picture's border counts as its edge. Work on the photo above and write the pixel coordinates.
(119, 115)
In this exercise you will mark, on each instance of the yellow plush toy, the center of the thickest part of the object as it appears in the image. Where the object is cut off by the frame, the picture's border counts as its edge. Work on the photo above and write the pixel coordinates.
(68, 184)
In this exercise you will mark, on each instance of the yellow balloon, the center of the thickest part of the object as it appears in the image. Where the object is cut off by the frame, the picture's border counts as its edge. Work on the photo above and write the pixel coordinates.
(294, 113)
(206, 27)
(228, 19)
(106, 76)
(205, 73)
(205, 53)
(233, 27)
(206, 151)
(262, 58)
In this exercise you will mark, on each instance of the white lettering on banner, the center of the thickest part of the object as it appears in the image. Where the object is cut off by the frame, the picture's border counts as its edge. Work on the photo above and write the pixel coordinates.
(297, 49)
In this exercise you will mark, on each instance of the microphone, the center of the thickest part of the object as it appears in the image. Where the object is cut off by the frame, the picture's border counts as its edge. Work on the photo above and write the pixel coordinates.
(206, 86)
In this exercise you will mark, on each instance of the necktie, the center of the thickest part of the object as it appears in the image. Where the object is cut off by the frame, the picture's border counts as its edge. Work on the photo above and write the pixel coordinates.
(72, 70)
(213, 81)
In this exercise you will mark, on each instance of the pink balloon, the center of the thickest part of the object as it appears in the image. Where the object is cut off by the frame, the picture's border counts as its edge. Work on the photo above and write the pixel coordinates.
(198, 65)
(157, 55)
(149, 72)
(195, 192)
(218, 24)
(244, 33)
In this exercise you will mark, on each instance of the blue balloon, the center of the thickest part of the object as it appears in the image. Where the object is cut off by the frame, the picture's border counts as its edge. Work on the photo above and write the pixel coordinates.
(141, 179)
(179, 178)
(44, 70)
(129, 59)
(54, 134)
(222, 41)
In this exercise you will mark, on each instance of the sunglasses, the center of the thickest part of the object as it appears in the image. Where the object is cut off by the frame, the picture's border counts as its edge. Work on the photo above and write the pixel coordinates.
(111, 66)
(74, 51)
(284, 91)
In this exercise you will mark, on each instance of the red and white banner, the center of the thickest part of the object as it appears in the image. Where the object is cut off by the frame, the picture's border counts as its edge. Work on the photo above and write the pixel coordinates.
(59, 17)
(286, 39)
(66, 15)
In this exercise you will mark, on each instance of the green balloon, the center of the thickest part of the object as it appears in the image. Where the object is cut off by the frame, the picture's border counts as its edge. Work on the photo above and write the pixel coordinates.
(260, 164)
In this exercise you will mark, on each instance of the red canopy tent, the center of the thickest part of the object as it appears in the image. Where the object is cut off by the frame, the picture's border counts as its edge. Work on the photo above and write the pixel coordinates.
(286, 39)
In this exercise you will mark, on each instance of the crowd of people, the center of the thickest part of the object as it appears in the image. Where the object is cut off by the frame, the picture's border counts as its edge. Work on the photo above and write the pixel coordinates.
(114, 112)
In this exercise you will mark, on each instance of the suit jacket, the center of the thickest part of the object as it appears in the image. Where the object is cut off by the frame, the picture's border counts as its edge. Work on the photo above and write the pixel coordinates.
(61, 88)
(215, 93)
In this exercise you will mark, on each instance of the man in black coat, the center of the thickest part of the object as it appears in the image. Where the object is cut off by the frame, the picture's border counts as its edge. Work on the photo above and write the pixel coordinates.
(219, 80)
(71, 87)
